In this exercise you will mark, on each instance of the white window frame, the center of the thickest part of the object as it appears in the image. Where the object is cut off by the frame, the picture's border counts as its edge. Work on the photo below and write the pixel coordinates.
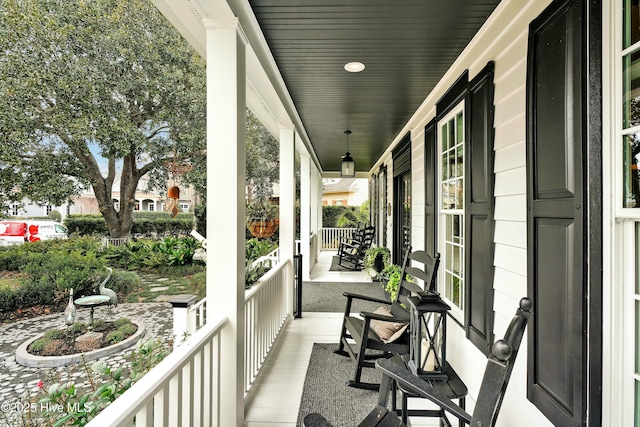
(621, 248)
(456, 312)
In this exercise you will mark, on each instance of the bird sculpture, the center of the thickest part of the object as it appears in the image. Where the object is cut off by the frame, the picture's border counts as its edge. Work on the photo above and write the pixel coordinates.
(113, 298)
(70, 311)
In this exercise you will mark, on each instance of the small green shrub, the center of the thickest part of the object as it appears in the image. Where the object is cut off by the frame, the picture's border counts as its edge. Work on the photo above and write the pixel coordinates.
(128, 329)
(97, 324)
(114, 337)
(121, 322)
(55, 216)
(54, 334)
(198, 284)
(8, 299)
(123, 282)
(78, 328)
(65, 270)
(38, 345)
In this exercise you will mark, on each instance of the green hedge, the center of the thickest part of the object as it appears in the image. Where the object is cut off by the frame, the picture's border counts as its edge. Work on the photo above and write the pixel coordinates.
(144, 223)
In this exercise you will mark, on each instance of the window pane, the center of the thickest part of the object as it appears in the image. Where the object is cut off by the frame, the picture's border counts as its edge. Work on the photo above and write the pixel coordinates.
(631, 90)
(631, 168)
(459, 128)
(452, 133)
(455, 292)
(631, 23)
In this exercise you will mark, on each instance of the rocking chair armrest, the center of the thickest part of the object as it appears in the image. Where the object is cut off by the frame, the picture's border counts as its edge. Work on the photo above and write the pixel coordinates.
(415, 385)
(376, 316)
(366, 298)
(353, 245)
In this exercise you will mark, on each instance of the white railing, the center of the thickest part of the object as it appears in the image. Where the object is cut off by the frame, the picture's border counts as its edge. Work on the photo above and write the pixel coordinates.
(331, 237)
(265, 311)
(184, 389)
(197, 313)
(268, 260)
(197, 316)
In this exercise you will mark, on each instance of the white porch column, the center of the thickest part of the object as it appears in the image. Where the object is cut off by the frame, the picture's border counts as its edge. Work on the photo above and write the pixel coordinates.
(287, 203)
(225, 227)
(313, 255)
(305, 213)
(319, 208)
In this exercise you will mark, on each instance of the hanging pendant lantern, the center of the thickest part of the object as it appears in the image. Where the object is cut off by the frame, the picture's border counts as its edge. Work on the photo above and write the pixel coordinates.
(348, 165)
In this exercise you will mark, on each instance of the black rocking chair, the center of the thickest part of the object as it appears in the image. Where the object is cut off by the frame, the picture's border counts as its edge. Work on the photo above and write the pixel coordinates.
(492, 389)
(373, 335)
(351, 253)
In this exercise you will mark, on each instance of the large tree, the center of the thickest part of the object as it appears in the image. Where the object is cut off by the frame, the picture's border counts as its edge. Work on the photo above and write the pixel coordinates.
(80, 80)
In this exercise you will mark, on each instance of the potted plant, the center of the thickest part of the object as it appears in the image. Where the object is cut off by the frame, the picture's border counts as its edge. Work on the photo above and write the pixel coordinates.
(262, 218)
(377, 259)
(390, 277)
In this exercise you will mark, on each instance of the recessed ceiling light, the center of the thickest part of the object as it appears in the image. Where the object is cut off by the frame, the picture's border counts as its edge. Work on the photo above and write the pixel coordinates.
(354, 67)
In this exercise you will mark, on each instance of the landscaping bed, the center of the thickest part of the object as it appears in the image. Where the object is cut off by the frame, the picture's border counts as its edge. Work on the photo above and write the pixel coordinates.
(63, 342)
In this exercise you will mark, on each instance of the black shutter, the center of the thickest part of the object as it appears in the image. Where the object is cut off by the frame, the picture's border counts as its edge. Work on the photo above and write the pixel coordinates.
(401, 156)
(430, 212)
(479, 205)
(556, 209)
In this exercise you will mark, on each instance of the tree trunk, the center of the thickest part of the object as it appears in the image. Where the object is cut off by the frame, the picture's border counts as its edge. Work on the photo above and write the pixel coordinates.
(119, 222)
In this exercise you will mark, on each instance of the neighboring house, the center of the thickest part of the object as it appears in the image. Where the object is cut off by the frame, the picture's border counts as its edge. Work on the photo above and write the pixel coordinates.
(146, 200)
(87, 203)
(28, 209)
(344, 192)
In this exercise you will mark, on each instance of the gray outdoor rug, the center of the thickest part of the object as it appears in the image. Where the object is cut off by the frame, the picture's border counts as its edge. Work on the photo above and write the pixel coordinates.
(337, 267)
(327, 297)
(326, 392)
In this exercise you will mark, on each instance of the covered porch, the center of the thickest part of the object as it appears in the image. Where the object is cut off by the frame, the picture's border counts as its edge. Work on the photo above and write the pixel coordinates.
(479, 125)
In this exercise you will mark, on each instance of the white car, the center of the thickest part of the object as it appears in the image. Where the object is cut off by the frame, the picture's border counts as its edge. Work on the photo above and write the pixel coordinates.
(17, 232)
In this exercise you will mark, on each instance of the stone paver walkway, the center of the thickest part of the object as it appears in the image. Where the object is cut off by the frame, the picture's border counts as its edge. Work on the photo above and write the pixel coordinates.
(159, 284)
(17, 381)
